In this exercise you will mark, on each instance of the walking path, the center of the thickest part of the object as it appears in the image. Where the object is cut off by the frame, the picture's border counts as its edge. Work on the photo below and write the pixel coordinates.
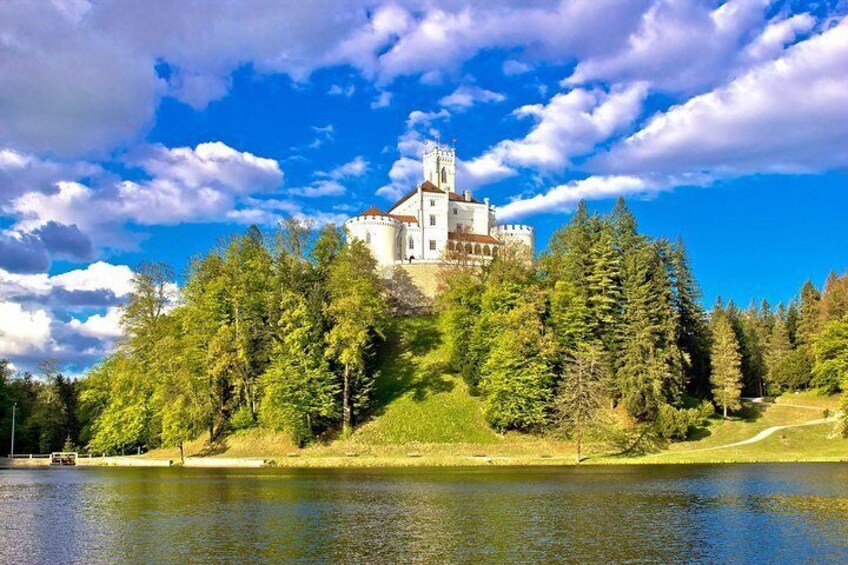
(766, 432)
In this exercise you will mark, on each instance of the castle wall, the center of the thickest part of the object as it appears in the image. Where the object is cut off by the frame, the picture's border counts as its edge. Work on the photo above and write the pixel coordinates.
(381, 234)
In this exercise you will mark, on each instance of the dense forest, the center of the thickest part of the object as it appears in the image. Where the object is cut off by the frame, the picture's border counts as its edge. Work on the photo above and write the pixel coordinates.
(282, 330)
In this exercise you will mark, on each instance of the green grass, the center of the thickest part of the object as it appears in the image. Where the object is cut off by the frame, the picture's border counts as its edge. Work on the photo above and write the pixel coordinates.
(417, 399)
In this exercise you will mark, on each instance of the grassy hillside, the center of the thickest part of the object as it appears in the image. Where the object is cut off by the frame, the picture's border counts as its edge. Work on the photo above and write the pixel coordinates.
(424, 415)
(416, 398)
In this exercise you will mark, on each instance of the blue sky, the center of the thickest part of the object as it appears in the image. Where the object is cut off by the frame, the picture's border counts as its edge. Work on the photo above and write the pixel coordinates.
(139, 132)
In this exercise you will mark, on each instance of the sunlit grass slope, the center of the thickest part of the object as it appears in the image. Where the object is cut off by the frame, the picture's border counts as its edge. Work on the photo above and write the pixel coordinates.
(416, 398)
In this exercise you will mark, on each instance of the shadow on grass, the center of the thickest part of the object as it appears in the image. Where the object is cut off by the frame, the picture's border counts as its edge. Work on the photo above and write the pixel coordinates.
(403, 367)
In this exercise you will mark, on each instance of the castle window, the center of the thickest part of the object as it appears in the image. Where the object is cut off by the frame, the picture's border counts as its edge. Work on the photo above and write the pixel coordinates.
(368, 237)
(432, 245)
(458, 228)
(432, 220)
(454, 210)
(444, 174)
(411, 243)
(432, 202)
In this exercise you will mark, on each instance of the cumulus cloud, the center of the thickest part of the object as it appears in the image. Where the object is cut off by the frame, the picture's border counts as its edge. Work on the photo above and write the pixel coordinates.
(383, 100)
(678, 46)
(466, 96)
(570, 125)
(184, 184)
(788, 115)
(101, 326)
(22, 330)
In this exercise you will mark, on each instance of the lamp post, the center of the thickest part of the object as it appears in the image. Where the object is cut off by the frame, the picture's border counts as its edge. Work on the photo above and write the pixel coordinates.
(14, 408)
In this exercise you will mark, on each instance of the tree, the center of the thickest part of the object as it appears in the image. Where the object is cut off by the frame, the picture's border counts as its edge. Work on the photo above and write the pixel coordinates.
(692, 332)
(358, 314)
(726, 376)
(299, 391)
(579, 399)
(517, 376)
(777, 355)
(830, 370)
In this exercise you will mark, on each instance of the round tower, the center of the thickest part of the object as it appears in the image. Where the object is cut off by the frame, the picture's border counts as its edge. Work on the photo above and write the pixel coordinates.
(381, 233)
(525, 235)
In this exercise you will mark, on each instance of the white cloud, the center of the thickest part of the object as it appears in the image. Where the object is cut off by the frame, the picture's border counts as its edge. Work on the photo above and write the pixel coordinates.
(346, 91)
(185, 185)
(324, 187)
(97, 276)
(789, 115)
(512, 67)
(678, 46)
(21, 330)
(466, 96)
(383, 100)
(356, 167)
(570, 125)
(106, 326)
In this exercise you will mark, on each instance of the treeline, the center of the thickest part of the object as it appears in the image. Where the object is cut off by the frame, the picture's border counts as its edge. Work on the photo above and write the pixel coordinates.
(282, 330)
(48, 416)
(609, 317)
(277, 331)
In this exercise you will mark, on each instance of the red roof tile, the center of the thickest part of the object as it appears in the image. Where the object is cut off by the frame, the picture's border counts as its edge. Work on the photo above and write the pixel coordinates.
(402, 218)
(372, 211)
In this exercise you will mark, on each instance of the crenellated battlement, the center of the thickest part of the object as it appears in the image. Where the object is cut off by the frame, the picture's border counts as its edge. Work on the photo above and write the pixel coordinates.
(514, 228)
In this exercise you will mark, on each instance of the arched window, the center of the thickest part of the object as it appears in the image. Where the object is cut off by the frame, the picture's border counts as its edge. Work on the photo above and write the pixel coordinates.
(478, 250)
(368, 237)
(444, 174)
(411, 243)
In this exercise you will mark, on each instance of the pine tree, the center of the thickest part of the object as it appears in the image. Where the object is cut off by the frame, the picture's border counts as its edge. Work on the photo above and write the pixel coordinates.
(777, 355)
(726, 376)
(809, 315)
(579, 400)
(692, 334)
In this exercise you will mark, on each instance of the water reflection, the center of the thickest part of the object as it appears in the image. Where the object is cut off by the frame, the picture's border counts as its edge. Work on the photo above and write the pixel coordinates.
(739, 513)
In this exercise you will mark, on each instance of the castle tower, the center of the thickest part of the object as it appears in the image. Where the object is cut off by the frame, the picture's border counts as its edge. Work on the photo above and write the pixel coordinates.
(440, 167)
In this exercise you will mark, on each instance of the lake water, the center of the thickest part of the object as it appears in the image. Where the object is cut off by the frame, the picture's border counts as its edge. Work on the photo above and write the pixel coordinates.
(668, 514)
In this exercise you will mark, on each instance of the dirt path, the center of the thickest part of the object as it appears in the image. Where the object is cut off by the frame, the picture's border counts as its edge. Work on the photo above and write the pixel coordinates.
(764, 433)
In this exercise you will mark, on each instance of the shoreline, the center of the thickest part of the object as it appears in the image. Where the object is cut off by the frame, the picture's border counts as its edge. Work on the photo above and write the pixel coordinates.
(378, 462)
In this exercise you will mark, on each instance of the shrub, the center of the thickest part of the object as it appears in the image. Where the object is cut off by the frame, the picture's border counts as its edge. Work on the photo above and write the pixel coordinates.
(676, 423)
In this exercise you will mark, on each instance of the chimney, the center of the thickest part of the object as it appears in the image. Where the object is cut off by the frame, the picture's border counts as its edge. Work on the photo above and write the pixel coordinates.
(467, 195)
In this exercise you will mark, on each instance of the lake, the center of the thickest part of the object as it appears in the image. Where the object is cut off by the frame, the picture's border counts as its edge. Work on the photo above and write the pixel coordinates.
(792, 513)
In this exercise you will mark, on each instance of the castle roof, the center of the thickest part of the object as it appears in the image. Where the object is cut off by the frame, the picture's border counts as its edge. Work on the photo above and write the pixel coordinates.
(428, 186)
(372, 211)
(403, 218)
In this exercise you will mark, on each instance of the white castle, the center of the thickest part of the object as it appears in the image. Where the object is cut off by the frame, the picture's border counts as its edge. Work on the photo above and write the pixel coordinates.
(433, 221)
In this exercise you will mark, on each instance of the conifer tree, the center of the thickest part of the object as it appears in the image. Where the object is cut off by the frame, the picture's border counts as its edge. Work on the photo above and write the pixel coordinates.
(579, 400)
(692, 333)
(726, 376)
(830, 372)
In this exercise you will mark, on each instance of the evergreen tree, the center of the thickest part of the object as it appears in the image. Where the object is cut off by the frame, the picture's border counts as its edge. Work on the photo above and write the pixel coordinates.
(726, 376)
(650, 372)
(692, 333)
(517, 376)
(579, 400)
(778, 355)
(809, 314)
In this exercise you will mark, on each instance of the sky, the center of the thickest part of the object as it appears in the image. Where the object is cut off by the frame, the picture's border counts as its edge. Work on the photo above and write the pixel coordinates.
(145, 131)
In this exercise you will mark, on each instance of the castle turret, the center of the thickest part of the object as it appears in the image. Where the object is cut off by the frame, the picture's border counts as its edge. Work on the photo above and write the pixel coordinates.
(380, 232)
(520, 233)
(440, 167)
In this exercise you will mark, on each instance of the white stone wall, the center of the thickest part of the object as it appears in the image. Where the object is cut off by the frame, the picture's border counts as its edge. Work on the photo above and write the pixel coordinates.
(436, 160)
(380, 233)
(517, 232)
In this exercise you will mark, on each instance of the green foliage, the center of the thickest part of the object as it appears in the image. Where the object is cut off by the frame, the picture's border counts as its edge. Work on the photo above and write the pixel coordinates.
(517, 377)
(677, 423)
(726, 377)
(791, 372)
(830, 372)
(242, 419)
(299, 391)
(579, 400)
